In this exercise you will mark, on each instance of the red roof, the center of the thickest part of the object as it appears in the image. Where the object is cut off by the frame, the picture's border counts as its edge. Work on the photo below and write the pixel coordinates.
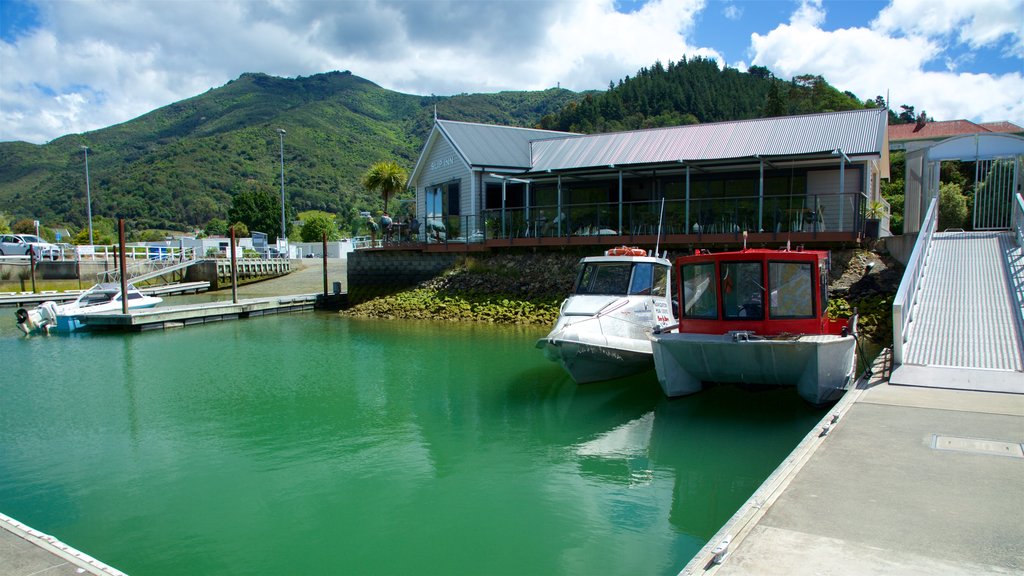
(1003, 126)
(939, 130)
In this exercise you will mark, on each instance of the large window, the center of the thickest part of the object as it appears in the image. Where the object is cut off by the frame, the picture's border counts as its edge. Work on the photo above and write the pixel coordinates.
(699, 297)
(792, 290)
(742, 291)
(604, 278)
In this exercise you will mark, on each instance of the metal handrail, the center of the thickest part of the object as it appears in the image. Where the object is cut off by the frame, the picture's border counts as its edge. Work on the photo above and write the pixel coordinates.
(1018, 219)
(698, 216)
(906, 296)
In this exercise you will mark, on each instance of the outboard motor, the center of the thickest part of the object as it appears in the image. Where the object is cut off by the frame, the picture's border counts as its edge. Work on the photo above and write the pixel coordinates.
(41, 318)
(22, 315)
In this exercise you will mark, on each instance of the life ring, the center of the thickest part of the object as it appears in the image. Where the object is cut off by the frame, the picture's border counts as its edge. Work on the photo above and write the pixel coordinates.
(626, 251)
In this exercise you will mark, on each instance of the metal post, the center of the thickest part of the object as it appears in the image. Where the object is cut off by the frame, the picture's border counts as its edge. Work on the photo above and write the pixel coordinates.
(325, 262)
(760, 200)
(503, 228)
(124, 275)
(687, 230)
(234, 270)
(88, 193)
(559, 215)
(282, 132)
(620, 201)
(32, 266)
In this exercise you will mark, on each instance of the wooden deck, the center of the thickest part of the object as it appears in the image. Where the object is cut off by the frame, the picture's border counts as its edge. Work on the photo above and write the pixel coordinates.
(161, 318)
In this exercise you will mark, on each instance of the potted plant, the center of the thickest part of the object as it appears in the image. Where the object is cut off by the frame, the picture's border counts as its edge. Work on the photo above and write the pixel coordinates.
(875, 212)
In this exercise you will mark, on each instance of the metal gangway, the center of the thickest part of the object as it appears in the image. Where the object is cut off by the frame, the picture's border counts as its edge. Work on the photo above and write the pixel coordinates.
(143, 270)
(958, 317)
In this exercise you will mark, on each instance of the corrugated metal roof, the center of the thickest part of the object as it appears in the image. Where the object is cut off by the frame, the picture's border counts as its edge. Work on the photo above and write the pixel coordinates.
(493, 145)
(856, 132)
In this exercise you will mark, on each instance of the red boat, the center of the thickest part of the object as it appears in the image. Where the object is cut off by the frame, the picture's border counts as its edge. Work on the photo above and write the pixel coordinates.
(756, 317)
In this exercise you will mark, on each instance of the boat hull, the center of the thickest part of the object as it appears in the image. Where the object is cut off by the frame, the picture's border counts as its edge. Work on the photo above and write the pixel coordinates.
(594, 361)
(819, 366)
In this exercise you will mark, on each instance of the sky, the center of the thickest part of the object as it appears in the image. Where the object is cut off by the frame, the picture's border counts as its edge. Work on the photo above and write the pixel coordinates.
(71, 66)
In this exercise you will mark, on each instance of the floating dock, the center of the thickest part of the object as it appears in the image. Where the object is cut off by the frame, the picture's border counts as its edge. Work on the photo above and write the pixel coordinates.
(36, 298)
(163, 317)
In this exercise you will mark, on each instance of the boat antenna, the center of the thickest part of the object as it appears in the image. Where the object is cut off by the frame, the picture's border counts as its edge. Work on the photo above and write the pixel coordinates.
(657, 243)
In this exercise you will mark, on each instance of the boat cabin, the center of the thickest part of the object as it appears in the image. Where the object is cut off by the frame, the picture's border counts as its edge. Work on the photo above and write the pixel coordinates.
(614, 276)
(766, 292)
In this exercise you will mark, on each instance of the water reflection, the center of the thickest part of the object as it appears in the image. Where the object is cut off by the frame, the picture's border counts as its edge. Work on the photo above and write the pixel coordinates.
(294, 443)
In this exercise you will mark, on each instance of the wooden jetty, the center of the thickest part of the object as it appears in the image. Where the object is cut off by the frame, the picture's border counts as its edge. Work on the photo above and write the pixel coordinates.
(163, 317)
(36, 298)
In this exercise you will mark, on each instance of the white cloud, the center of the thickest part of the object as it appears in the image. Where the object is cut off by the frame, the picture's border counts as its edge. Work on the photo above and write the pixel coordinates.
(876, 61)
(732, 12)
(90, 65)
(976, 23)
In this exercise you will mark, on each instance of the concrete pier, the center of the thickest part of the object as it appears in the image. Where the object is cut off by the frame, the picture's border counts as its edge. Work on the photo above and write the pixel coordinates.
(895, 480)
(28, 552)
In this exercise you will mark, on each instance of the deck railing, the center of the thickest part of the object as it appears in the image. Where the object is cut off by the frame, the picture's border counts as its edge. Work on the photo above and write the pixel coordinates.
(1018, 218)
(698, 216)
(906, 296)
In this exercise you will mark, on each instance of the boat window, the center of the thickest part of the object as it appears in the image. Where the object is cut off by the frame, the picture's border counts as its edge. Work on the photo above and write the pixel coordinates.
(823, 282)
(661, 274)
(792, 290)
(699, 291)
(742, 291)
(134, 295)
(642, 278)
(93, 298)
(604, 278)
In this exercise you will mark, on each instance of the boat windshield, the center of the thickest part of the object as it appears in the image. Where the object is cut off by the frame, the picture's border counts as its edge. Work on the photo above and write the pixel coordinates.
(792, 290)
(742, 291)
(699, 291)
(619, 278)
(97, 297)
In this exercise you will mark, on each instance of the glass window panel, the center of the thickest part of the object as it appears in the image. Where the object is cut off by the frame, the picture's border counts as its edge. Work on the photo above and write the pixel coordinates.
(699, 295)
(742, 291)
(792, 290)
(643, 273)
(604, 278)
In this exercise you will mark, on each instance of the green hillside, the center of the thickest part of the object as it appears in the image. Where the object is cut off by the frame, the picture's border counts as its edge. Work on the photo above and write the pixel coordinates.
(179, 166)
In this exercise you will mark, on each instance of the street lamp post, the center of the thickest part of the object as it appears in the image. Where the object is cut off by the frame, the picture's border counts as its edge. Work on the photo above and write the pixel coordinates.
(88, 193)
(282, 132)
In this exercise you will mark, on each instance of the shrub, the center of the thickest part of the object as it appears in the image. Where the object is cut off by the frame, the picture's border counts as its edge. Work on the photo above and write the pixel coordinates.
(952, 207)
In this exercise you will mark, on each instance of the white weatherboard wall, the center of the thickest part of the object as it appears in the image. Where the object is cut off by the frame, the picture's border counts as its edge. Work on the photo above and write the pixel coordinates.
(825, 184)
(443, 165)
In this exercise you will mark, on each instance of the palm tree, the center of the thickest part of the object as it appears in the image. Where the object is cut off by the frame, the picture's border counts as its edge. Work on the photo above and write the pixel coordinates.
(386, 177)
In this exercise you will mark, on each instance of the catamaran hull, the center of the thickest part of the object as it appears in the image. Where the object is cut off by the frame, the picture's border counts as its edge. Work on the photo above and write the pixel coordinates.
(588, 362)
(820, 366)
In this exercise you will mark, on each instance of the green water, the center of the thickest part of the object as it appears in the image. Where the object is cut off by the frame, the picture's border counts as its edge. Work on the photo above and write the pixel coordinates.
(315, 444)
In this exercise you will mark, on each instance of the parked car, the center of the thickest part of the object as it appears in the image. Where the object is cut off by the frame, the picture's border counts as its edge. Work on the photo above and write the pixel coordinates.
(19, 244)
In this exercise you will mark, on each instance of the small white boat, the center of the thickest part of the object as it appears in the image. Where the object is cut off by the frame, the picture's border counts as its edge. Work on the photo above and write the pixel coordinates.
(757, 317)
(104, 297)
(604, 328)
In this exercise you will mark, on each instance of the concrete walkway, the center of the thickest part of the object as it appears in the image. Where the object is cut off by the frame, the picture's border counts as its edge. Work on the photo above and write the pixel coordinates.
(28, 552)
(907, 481)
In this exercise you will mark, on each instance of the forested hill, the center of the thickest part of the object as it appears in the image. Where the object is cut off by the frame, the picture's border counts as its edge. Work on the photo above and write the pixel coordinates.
(698, 91)
(179, 166)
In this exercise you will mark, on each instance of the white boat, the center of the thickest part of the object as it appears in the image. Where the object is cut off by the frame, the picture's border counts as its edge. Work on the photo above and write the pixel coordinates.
(104, 297)
(604, 328)
(757, 317)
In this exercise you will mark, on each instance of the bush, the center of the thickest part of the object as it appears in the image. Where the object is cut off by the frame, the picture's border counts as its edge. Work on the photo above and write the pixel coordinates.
(952, 207)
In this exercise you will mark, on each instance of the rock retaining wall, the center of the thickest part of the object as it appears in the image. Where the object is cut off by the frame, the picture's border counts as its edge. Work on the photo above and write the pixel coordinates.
(373, 273)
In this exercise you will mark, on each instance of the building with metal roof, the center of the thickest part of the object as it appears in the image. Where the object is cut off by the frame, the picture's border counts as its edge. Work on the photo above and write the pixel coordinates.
(810, 175)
